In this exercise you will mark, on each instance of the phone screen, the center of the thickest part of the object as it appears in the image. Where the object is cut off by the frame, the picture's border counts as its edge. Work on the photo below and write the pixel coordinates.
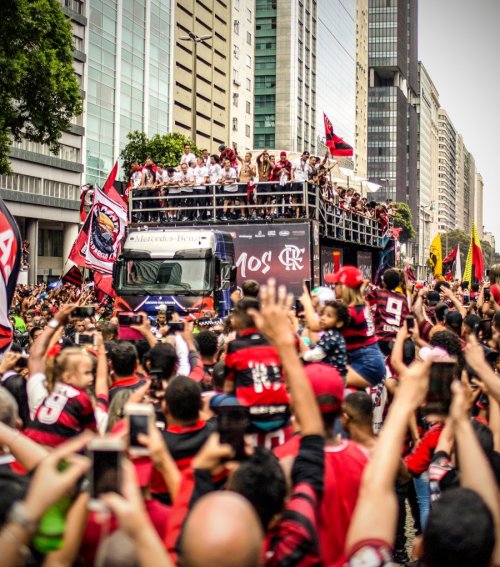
(137, 424)
(232, 425)
(106, 472)
(410, 322)
(82, 339)
(82, 312)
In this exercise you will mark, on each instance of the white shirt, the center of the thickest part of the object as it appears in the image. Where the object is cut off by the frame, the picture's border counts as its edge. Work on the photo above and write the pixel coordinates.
(200, 174)
(229, 175)
(214, 172)
(301, 169)
(188, 158)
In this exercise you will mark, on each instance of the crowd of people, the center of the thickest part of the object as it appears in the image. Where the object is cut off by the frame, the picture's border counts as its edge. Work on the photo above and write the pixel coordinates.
(358, 426)
(269, 188)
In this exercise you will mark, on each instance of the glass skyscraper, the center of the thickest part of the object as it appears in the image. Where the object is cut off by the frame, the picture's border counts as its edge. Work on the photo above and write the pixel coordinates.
(128, 77)
(336, 70)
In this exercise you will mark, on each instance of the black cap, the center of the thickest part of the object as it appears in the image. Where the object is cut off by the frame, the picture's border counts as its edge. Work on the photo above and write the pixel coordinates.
(454, 320)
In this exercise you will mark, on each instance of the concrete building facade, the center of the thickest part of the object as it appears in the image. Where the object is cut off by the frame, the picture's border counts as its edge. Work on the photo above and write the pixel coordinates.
(392, 97)
(242, 74)
(459, 183)
(361, 120)
(447, 205)
(469, 189)
(43, 191)
(479, 200)
(427, 172)
(129, 50)
(206, 73)
(285, 74)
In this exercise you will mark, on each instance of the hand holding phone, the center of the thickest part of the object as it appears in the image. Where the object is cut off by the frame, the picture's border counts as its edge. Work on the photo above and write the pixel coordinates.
(106, 472)
(140, 419)
(232, 423)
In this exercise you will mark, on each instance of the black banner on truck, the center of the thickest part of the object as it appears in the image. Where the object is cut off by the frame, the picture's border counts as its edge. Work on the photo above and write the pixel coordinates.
(272, 251)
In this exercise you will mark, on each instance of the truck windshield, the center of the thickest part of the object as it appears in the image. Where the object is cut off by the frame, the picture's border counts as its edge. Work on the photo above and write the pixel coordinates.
(159, 276)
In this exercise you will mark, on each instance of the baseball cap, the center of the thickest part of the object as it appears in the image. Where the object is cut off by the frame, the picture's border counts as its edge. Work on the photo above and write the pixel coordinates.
(323, 294)
(326, 380)
(349, 276)
(283, 154)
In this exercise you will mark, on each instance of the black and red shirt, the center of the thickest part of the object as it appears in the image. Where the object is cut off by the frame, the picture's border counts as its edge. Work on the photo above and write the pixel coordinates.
(255, 368)
(127, 383)
(64, 414)
(391, 308)
(360, 331)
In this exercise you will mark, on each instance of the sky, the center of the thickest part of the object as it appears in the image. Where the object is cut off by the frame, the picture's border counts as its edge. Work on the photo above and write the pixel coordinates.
(459, 44)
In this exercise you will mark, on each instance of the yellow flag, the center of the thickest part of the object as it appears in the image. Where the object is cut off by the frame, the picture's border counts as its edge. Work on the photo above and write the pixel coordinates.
(474, 266)
(436, 257)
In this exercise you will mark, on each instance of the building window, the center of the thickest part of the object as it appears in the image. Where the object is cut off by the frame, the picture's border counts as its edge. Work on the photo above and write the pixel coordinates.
(247, 130)
(248, 107)
(236, 27)
(249, 38)
(235, 74)
(236, 52)
(236, 97)
(236, 4)
(235, 124)
(249, 14)
(249, 84)
(249, 61)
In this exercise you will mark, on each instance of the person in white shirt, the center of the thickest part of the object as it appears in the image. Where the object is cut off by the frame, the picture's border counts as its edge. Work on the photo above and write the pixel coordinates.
(185, 180)
(228, 179)
(206, 157)
(170, 189)
(187, 157)
(200, 173)
(300, 174)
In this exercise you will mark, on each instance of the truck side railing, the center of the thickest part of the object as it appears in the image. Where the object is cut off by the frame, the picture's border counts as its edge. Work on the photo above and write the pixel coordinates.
(177, 205)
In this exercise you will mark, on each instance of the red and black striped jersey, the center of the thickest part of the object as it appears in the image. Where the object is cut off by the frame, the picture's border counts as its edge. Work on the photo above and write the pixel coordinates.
(360, 331)
(391, 308)
(64, 413)
(255, 368)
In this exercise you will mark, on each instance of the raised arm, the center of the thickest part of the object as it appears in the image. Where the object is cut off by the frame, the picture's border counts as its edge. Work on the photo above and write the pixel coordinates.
(474, 356)
(475, 470)
(376, 512)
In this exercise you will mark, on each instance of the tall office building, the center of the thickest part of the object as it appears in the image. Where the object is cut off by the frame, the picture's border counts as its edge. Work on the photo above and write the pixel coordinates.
(361, 121)
(242, 74)
(469, 189)
(392, 94)
(459, 183)
(43, 191)
(285, 74)
(336, 69)
(447, 206)
(427, 168)
(203, 68)
(128, 77)
(478, 212)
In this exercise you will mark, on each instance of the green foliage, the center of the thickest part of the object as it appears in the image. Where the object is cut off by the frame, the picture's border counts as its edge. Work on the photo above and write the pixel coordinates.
(165, 150)
(39, 91)
(403, 219)
(450, 240)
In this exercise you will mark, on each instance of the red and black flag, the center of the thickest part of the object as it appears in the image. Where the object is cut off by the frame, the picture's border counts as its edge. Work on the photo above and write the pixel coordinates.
(73, 276)
(10, 262)
(448, 265)
(336, 145)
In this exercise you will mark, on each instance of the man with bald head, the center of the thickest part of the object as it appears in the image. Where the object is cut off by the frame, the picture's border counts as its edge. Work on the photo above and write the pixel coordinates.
(222, 530)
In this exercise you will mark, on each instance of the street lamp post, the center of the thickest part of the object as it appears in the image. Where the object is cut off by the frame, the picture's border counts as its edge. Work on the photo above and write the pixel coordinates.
(196, 39)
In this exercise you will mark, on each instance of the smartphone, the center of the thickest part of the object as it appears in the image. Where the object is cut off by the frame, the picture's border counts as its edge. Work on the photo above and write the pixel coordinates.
(439, 395)
(125, 320)
(307, 283)
(84, 339)
(83, 312)
(487, 294)
(174, 326)
(23, 361)
(106, 471)
(233, 422)
(141, 418)
(410, 322)
(299, 308)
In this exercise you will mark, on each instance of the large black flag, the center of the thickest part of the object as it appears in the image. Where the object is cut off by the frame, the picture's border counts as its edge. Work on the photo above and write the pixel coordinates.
(10, 262)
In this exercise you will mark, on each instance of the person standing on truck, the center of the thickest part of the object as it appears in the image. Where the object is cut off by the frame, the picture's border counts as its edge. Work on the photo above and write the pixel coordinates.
(188, 156)
(301, 170)
(229, 187)
(185, 180)
(200, 173)
(246, 177)
(264, 169)
(282, 174)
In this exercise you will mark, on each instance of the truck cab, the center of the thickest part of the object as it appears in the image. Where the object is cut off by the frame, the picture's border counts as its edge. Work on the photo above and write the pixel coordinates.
(189, 271)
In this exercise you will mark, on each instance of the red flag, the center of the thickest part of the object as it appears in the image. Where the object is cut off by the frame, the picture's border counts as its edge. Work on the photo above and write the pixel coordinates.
(103, 283)
(73, 276)
(83, 195)
(336, 145)
(410, 275)
(451, 257)
(77, 254)
(477, 262)
(109, 188)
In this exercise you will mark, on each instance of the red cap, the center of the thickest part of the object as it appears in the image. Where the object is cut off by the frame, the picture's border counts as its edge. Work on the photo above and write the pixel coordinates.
(143, 470)
(325, 379)
(283, 154)
(495, 292)
(349, 276)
